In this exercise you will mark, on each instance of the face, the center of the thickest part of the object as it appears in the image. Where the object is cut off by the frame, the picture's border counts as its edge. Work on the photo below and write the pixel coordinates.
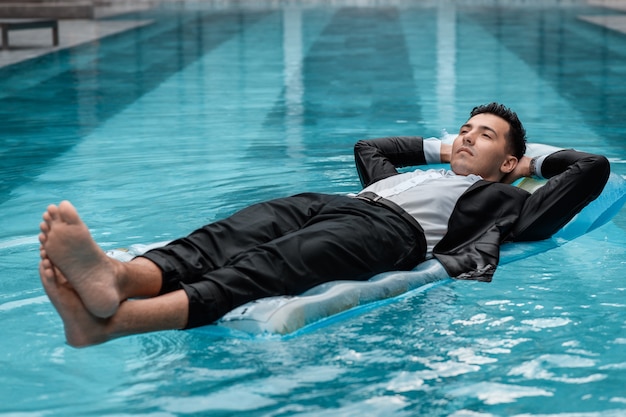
(481, 148)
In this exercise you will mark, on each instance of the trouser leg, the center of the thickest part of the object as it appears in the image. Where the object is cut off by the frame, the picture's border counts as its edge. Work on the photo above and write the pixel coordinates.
(188, 259)
(346, 239)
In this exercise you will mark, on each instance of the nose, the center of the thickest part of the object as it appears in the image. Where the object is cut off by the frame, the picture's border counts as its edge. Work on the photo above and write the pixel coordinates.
(468, 138)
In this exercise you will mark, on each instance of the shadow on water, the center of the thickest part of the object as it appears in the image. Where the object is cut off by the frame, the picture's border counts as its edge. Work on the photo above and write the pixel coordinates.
(48, 104)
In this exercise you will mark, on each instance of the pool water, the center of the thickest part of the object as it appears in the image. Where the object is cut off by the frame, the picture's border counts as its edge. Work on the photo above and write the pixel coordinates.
(156, 131)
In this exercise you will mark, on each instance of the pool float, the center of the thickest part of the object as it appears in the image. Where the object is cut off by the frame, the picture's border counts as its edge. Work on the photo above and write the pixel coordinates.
(289, 315)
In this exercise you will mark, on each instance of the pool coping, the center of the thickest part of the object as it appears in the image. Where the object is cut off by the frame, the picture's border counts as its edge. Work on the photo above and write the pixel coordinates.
(30, 44)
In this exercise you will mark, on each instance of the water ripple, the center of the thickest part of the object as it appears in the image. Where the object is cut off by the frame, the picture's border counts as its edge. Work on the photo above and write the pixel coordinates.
(495, 393)
(540, 368)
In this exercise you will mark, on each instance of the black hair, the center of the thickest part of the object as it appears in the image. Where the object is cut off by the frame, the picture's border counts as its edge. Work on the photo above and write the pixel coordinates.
(516, 137)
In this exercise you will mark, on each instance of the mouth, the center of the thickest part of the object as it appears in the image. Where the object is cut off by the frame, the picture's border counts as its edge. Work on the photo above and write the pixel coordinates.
(464, 149)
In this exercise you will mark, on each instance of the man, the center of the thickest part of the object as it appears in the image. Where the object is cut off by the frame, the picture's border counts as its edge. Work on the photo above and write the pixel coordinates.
(289, 245)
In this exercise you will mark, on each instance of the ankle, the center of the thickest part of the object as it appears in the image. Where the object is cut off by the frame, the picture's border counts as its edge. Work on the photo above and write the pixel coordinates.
(139, 278)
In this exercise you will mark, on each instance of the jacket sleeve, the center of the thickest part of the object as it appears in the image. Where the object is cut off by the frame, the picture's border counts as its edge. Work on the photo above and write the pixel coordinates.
(574, 180)
(376, 159)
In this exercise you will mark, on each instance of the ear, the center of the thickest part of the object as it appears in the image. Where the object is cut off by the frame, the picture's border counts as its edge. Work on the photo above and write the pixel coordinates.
(509, 164)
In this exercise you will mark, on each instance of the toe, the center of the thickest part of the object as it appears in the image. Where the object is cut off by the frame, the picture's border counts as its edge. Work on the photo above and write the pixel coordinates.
(51, 214)
(68, 213)
(46, 273)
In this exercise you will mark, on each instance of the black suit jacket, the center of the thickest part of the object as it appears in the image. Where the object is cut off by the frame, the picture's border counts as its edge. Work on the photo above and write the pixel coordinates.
(489, 213)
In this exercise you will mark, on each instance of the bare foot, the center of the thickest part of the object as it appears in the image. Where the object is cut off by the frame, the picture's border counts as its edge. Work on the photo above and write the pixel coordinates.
(66, 244)
(81, 327)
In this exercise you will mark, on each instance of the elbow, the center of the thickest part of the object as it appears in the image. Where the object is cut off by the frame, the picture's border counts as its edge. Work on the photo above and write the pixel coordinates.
(361, 145)
(604, 166)
(597, 176)
(360, 149)
(601, 169)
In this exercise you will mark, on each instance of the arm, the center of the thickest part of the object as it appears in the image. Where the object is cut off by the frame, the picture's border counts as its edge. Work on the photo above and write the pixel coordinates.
(445, 152)
(376, 159)
(574, 180)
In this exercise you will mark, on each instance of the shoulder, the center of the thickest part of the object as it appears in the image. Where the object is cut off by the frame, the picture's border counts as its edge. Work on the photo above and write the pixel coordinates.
(497, 188)
(493, 197)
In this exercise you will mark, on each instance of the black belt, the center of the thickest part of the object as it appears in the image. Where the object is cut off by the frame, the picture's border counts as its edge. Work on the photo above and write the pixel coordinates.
(377, 200)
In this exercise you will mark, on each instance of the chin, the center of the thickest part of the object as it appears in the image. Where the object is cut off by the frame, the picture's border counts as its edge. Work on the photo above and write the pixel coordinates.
(460, 169)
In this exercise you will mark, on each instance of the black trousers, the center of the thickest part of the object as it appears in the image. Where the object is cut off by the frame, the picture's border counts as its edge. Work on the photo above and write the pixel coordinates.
(285, 247)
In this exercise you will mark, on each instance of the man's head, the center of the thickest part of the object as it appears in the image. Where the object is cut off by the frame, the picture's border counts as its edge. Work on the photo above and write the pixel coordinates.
(489, 144)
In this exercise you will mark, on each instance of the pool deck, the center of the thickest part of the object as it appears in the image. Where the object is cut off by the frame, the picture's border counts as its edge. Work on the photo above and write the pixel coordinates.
(613, 22)
(29, 44)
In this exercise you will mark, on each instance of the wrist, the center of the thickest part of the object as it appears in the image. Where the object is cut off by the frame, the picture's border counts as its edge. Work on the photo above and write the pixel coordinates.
(445, 152)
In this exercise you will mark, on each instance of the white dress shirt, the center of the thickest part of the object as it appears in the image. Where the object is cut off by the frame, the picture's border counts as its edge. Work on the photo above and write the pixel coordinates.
(427, 195)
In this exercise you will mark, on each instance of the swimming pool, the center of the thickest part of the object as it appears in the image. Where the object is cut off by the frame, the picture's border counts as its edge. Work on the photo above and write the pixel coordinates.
(155, 131)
